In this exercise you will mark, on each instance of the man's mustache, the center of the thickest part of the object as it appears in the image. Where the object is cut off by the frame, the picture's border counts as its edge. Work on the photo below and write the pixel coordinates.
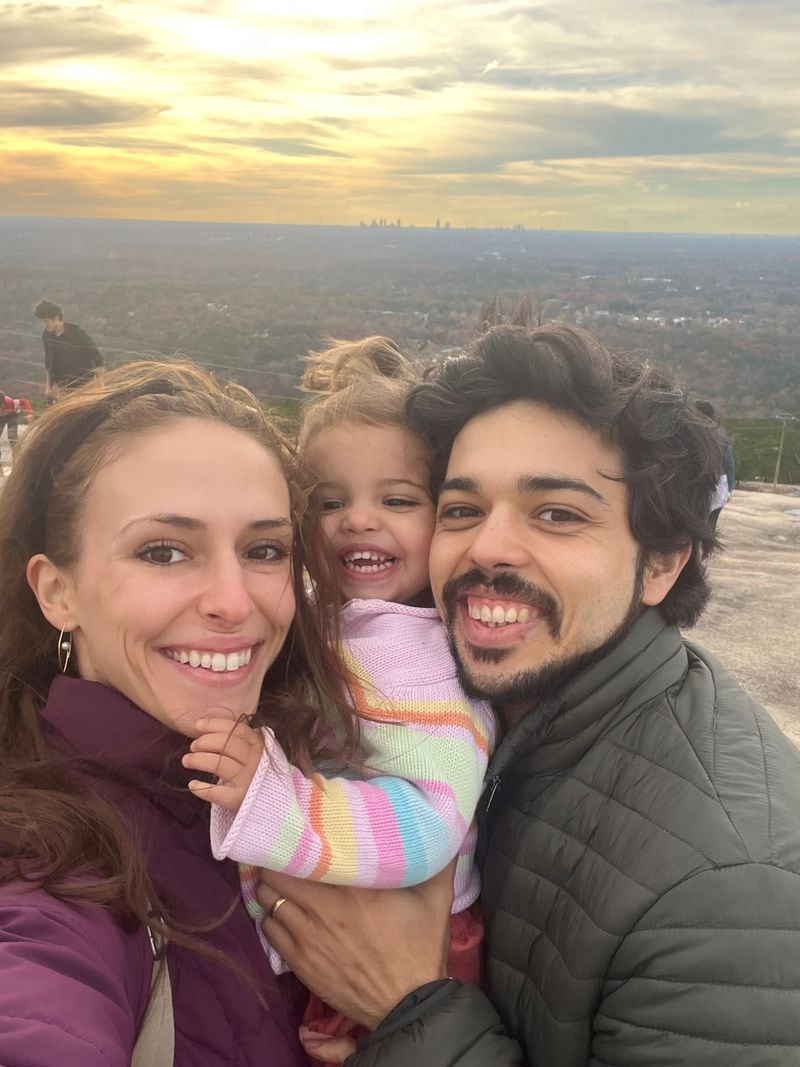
(505, 584)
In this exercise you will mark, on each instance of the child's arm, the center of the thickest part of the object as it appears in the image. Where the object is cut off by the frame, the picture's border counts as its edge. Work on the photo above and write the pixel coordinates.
(397, 827)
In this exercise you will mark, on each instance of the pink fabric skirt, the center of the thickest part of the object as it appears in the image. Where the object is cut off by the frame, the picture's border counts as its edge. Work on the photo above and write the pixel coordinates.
(463, 962)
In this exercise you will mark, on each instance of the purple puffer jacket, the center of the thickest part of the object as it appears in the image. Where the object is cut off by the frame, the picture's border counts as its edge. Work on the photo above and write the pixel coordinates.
(73, 985)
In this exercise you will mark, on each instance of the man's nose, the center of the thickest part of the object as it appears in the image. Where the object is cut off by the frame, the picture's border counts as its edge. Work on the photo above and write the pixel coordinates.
(501, 540)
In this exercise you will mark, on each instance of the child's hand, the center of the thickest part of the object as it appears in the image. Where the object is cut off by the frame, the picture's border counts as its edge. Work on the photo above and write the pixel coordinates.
(232, 752)
(324, 1049)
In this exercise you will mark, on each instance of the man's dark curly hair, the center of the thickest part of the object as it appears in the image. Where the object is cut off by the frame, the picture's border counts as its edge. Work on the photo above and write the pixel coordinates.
(671, 458)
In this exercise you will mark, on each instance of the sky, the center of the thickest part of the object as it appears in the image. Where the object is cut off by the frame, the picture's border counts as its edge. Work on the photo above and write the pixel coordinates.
(655, 115)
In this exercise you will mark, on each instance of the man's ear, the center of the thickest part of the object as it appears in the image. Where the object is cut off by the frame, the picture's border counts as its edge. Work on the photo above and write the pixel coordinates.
(661, 573)
(52, 589)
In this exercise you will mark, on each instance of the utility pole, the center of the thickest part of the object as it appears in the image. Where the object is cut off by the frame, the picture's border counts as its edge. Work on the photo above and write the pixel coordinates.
(784, 419)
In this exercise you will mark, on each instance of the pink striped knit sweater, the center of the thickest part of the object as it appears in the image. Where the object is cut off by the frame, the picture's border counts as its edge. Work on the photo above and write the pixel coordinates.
(425, 747)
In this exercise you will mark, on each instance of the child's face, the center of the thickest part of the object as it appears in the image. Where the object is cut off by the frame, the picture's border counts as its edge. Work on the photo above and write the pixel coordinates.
(376, 511)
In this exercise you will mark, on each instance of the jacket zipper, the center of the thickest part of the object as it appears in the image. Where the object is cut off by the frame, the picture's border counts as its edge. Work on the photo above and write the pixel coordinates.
(489, 793)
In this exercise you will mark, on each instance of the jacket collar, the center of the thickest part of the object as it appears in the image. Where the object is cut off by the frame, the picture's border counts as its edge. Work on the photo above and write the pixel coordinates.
(650, 659)
(116, 741)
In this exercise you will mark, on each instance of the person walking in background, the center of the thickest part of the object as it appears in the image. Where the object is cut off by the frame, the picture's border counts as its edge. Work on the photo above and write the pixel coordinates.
(727, 478)
(70, 355)
(10, 411)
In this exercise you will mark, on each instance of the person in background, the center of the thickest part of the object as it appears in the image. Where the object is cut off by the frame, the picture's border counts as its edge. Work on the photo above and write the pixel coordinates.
(727, 477)
(408, 810)
(152, 578)
(71, 357)
(638, 839)
(10, 411)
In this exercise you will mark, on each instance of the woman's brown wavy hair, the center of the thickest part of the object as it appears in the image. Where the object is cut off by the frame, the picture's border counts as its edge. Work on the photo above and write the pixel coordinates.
(53, 832)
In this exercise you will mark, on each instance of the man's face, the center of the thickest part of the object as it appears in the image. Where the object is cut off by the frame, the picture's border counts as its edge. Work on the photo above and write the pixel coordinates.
(55, 326)
(533, 564)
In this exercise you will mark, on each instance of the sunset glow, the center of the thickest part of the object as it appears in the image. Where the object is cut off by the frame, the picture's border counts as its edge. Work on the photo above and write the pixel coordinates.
(593, 115)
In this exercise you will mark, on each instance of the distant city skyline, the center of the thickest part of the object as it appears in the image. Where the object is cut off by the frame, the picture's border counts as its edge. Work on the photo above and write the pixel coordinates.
(597, 115)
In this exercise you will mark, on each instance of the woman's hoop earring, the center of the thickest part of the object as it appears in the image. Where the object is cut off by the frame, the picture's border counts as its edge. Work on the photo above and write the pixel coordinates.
(64, 649)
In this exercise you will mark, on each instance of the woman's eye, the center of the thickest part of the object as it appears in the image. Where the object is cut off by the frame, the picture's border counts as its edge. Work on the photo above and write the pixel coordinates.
(162, 555)
(269, 552)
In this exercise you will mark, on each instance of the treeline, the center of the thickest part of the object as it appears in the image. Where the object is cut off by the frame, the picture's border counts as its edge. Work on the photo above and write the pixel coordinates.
(756, 443)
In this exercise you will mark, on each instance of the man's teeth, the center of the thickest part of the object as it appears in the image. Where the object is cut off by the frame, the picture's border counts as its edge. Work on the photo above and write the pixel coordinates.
(211, 661)
(367, 562)
(497, 615)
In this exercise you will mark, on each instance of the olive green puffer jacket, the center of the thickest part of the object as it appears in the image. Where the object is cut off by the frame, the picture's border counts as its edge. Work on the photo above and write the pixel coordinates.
(641, 882)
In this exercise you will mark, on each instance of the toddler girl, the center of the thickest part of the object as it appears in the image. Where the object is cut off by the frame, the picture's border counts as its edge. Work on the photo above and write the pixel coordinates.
(409, 807)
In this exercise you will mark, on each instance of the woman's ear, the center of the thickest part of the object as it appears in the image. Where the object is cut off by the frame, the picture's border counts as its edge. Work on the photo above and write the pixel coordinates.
(52, 589)
(662, 573)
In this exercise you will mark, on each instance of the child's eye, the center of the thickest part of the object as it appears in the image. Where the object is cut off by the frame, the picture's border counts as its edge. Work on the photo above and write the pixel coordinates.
(400, 502)
(330, 505)
(162, 554)
(268, 552)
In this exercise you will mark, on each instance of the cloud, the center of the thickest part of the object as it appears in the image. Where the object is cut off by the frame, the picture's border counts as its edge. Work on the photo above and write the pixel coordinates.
(289, 146)
(56, 109)
(498, 110)
(34, 33)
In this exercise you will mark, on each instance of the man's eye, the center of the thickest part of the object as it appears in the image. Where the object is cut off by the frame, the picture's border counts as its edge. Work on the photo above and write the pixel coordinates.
(161, 554)
(559, 515)
(458, 511)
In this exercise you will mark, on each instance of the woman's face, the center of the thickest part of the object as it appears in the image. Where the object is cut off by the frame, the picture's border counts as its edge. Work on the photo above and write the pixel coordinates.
(182, 596)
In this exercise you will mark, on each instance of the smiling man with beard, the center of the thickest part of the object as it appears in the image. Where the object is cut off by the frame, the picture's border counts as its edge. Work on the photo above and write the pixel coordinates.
(639, 834)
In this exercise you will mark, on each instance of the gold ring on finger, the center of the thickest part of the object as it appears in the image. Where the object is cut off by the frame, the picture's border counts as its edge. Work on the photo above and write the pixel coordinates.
(273, 911)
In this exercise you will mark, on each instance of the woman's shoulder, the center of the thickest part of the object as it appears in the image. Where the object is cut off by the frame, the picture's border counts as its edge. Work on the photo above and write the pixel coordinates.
(75, 984)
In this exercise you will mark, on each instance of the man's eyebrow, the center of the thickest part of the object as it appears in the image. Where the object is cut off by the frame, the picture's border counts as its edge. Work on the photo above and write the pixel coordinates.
(537, 483)
(185, 522)
(459, 484)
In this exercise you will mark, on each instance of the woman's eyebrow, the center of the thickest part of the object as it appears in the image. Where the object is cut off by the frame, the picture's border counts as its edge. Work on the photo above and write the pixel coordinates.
(186, 522)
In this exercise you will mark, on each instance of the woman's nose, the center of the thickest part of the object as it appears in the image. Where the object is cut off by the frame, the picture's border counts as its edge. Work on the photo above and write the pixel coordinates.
(225, 595)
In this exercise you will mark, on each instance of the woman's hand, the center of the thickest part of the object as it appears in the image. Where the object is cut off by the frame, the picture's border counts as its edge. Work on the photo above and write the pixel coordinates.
(360, 950)
(231, 751)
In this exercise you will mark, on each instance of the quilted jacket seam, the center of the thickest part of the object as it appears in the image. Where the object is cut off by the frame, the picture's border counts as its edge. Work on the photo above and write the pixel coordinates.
(766, 782)
(636, 811)
(681, 778)
(703, 982)
(589, 848)
(700, 1037)
(64, 1030)
(578, 1020)
(669, 698)
(499, 908)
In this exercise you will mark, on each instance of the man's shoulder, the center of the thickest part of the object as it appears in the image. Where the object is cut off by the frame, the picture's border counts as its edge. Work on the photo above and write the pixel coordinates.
(74, 333)
(740, 774)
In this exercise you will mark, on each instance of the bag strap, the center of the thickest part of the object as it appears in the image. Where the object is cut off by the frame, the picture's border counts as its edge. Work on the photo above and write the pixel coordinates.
(155, 1045)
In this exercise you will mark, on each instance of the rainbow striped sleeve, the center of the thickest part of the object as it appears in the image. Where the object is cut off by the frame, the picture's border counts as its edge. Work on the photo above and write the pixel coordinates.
(398, 824)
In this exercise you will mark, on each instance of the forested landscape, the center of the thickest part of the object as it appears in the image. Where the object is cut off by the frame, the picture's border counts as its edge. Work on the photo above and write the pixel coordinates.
(250, 301)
